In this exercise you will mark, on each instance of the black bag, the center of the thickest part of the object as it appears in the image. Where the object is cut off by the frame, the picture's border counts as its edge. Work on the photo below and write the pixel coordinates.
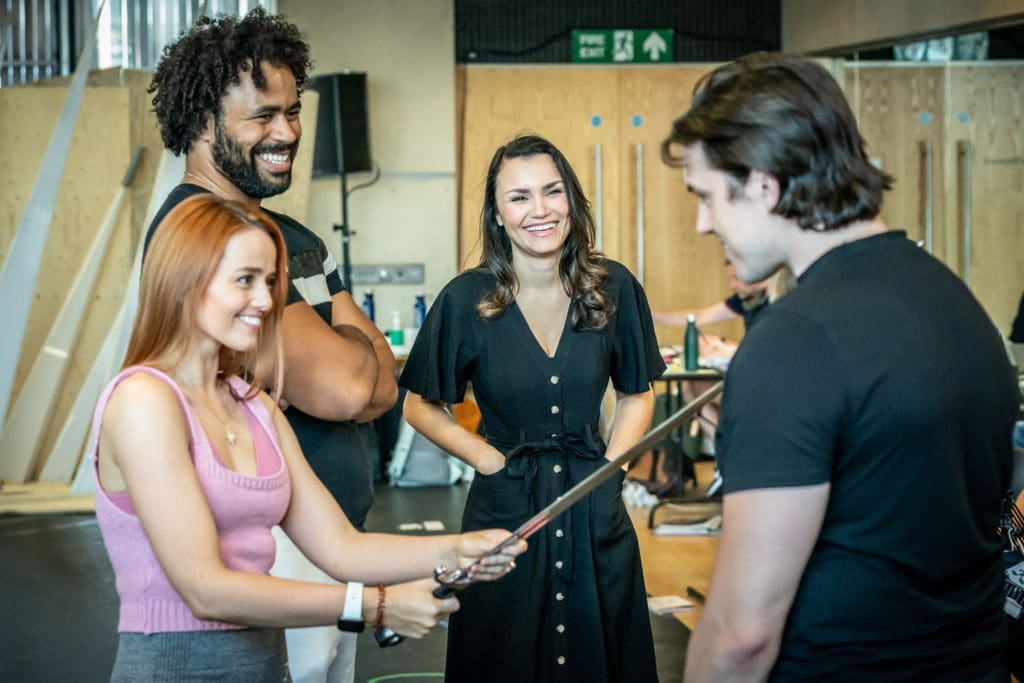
(1012, 530)
(664, 470)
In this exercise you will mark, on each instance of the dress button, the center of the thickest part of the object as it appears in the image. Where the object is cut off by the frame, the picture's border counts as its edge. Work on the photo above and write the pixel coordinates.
(559, 533)
(559, 597)
(556, 469)
(560, 660)
(554, 379)
(554, 410)
(558, 564)
(560, 628)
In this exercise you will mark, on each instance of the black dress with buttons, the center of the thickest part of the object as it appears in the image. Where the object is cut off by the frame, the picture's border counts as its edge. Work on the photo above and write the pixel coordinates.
(575, 608)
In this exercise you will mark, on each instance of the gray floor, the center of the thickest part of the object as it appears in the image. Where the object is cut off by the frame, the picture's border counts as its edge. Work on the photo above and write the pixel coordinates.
(57, 596)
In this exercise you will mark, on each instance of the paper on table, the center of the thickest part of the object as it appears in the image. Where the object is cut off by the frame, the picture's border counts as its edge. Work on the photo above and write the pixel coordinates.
(668, 604)
(709, 527)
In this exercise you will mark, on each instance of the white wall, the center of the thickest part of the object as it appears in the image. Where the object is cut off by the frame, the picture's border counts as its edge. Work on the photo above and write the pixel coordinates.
(406, 48)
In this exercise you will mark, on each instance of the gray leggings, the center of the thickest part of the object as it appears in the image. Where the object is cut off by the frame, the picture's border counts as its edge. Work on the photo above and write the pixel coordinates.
(249, 656)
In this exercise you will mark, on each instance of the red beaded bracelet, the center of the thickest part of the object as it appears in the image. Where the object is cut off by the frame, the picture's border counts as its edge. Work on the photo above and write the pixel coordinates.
(379, 621)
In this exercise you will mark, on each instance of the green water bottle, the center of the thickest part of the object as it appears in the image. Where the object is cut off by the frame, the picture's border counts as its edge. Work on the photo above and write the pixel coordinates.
(690, 350)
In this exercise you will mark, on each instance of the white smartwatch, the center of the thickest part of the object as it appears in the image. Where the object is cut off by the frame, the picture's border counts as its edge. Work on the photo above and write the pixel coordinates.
(351, 618)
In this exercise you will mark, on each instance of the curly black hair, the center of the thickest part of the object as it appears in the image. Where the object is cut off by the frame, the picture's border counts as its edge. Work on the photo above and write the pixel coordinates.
(197, 69)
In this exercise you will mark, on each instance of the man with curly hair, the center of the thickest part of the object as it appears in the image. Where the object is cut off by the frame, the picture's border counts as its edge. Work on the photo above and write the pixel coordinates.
(864, 446)
(227, 96)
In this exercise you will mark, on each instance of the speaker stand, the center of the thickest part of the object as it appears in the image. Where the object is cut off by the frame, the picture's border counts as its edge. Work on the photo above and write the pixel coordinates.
(346, 235)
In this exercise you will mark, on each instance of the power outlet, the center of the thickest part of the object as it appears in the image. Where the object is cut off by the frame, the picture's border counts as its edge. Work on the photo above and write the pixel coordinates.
(380, 274)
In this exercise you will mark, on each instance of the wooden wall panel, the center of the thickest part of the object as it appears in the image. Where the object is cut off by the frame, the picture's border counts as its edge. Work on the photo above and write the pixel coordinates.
(898, 109)
(987, 108)
(682, 270)
(555, 102)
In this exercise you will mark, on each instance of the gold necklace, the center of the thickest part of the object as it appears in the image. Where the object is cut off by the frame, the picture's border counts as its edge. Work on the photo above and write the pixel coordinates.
(203, 181)
(229, 434)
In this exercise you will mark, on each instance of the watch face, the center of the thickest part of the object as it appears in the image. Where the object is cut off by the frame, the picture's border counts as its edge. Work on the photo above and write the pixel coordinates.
(351, 625)
(387, 637)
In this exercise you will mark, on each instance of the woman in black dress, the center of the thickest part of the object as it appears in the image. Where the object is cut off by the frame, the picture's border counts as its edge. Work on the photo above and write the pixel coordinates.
(539, 328)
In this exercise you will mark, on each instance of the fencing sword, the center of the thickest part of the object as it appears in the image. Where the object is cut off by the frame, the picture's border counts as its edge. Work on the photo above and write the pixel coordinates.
(457, 579)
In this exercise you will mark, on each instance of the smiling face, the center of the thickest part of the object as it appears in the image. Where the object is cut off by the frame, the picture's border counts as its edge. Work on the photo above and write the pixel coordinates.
(257, 133)
(740, 217)
(532, 206)
(230, 311)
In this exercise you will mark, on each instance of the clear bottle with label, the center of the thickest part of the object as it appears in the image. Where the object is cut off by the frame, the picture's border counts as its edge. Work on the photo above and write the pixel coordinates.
(419, 310)
(368, 306)
(691, 352)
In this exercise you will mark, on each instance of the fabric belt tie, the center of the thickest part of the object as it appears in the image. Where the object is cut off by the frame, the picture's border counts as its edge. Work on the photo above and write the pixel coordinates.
(522, 463)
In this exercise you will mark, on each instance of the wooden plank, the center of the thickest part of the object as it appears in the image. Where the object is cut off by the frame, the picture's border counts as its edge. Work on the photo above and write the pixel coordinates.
(42, 498)
(812, 26)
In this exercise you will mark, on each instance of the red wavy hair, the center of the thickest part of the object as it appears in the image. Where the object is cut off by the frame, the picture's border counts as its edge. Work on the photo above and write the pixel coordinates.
(183, 257)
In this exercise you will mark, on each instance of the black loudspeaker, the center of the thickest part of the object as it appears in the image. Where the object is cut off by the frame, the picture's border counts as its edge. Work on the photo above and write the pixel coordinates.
(342, 107)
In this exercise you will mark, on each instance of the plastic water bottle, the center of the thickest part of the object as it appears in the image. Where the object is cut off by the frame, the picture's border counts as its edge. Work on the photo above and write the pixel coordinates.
(419, 311)
(368, 308)
(690, 347)
(396, 335)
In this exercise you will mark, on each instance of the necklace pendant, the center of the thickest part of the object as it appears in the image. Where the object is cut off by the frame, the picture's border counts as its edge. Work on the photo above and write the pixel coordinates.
(230, 436)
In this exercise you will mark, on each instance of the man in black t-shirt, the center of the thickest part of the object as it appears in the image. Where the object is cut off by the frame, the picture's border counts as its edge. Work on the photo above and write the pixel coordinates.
(237, 122)
(864, 446)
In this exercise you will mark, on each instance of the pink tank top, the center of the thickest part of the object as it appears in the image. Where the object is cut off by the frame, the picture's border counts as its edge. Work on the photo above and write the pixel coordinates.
(244, 508)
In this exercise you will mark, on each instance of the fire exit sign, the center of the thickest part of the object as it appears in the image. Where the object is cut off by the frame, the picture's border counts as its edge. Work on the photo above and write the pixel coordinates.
(622, 46)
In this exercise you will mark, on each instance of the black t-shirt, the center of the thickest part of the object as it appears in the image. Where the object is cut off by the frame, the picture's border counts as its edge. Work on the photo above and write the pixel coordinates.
(340, 453)
(882, 375)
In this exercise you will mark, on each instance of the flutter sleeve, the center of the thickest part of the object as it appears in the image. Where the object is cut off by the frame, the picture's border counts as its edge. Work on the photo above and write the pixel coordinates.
(636, 359)
(442, 358)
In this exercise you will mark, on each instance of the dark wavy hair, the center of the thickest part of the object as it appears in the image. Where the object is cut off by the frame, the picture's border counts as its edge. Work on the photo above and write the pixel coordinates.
(197, 69)
(785, 116)
(580, 268)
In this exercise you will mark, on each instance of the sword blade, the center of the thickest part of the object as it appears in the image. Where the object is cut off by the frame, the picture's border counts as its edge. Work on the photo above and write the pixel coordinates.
(459, 578)
(606, 471)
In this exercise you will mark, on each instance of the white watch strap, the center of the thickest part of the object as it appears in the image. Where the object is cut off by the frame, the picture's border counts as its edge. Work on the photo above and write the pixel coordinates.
(353, 602)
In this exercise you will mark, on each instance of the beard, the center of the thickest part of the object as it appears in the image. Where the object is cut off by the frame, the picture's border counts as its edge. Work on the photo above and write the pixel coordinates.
(241, 169)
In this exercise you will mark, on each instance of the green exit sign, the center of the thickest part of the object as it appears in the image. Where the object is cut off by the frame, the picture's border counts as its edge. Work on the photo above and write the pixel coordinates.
(625, 46)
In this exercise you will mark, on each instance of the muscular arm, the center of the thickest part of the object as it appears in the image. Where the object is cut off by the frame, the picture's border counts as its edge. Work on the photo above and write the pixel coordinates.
(345, 313)
(432, 420)
(336, 374)
(767, 537)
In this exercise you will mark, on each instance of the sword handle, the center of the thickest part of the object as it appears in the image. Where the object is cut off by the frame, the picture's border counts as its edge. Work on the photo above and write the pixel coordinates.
(442, 592)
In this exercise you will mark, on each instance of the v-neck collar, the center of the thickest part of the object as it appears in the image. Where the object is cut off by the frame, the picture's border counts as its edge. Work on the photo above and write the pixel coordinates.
(536, 342)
